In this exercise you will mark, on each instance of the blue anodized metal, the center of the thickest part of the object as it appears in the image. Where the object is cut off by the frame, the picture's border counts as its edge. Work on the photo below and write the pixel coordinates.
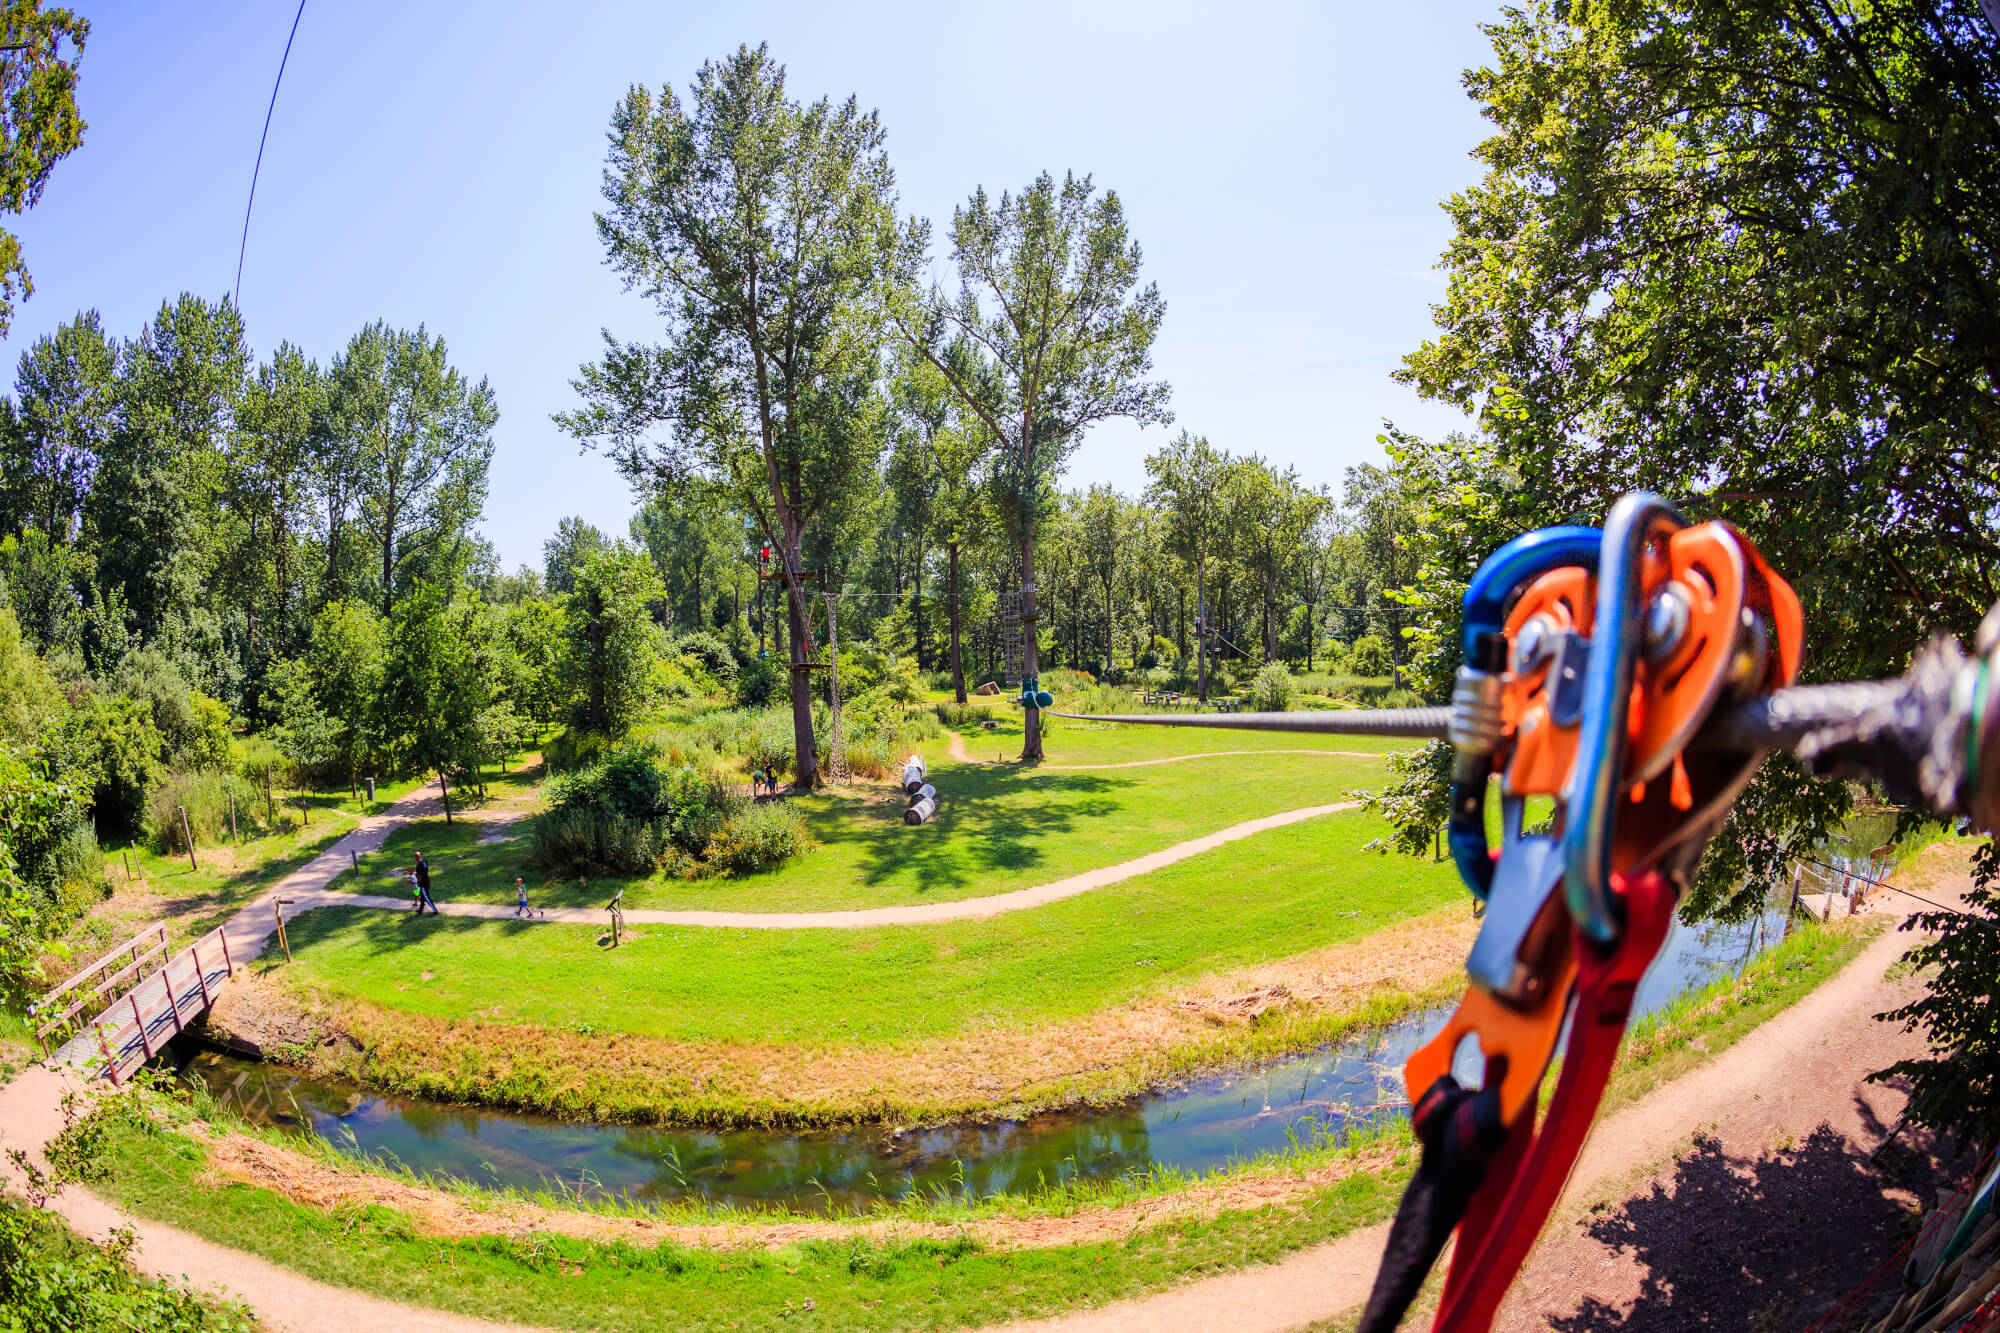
(1487, 597)
(1590, 798)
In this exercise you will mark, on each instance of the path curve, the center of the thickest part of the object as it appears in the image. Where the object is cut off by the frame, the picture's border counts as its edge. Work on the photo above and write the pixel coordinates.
(955, 747)
(1808, 1049)
(960, 909)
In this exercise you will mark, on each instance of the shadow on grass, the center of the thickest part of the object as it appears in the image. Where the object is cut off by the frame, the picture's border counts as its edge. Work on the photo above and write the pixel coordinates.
(377, 933)
(988, 820)
(1768, 1242)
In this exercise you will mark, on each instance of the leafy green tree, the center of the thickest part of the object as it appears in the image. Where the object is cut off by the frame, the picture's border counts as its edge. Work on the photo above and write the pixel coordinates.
(1189, 484)
(955, 449)
(1276, 515)
(39, 121)
(1046, 337)
(283, 424)
(1104, 530)
(533, 683)
(341, 674)
(421, 439)
(610, 638)
(39, 579)
(762, 229)
(694, 532)
(65, 407)
(151, 509)
(563, 554)
(433, 687)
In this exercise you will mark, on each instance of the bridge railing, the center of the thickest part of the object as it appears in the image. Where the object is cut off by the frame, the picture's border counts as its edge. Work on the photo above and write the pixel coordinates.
(149, 1007)
(55, 1015)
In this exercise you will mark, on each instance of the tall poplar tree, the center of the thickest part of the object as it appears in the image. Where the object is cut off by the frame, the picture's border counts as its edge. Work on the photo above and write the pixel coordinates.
(762, 229)
(1048, 334)
(1190, 479)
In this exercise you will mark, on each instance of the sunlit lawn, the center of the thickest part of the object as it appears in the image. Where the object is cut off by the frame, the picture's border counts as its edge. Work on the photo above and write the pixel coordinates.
(1001, 826)
(1273, 895)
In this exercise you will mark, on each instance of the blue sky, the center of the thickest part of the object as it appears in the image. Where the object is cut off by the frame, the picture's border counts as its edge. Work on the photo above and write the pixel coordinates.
(1282, 166)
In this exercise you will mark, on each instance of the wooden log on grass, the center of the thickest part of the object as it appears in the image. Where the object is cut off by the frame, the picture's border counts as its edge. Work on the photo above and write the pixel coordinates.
(913, 774)
(921, 812)
(923, 793)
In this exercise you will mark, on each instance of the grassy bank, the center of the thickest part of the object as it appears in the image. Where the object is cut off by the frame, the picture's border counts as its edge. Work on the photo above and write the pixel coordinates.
(1000, 828)
(916, 1021)
(869, 1279)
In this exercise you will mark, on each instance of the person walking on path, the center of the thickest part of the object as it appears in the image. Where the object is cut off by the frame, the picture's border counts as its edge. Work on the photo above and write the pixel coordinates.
(521, 907)
(421, 873)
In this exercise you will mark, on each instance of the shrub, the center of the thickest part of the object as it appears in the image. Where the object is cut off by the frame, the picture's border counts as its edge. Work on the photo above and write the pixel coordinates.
(758, 838)
(627, 812)
(1270, 690)
(715, 656)
(1401, 699)
(1369, 656)
(960, 715)
(1064, 680)
(758, 683)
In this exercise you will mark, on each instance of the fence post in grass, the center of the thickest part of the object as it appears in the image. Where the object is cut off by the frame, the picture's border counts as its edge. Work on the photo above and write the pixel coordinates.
(188, 833)
(232, 818)
(128, 865)
(278, 906)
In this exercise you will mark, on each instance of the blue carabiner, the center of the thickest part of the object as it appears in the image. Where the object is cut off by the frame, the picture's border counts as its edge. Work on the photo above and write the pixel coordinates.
(1590, 797)
(1499, 577)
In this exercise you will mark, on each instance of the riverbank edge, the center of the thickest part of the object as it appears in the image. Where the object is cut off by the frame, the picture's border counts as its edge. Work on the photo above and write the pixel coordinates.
(1707, 1025)
(449, 1061)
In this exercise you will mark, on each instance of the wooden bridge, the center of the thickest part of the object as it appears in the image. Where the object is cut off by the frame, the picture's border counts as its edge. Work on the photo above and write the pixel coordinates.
(138, 998)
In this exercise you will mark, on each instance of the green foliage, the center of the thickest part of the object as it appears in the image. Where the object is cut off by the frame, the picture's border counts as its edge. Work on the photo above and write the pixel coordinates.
(39, 579)
(960, 715)
(630, 811)
(563, 555)
(206, 797)
(758, 837)
(434, 684)
(1955, 1088)
(46, 855)
(39, 120)
(610, 640)
(758, 683)
(31, 705)
(1271, 689)
(1369, 656)
(117, 749)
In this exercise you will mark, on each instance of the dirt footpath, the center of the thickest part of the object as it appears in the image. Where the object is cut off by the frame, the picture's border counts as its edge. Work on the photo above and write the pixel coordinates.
(1738, 1197)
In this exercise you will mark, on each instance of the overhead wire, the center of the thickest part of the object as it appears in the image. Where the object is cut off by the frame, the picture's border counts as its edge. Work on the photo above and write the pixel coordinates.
(243, 246)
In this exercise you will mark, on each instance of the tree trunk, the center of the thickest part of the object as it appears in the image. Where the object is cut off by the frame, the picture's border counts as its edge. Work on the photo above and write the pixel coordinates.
(805, 762)
(1031, 667)
(444, 790)
(1270, 616)
(1204, 627)
(917, 609)
(957, 666)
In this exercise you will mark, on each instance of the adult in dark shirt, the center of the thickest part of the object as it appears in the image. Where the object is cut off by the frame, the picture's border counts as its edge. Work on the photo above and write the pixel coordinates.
(423, 874)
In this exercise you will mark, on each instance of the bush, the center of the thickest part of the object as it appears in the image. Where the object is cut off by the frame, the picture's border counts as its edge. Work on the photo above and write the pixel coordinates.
(758, 683)
(628, 812)
(715, 656)
(960, 715)
(1270, 690)
(1401, 699)
(758, 838)
(1368, 657)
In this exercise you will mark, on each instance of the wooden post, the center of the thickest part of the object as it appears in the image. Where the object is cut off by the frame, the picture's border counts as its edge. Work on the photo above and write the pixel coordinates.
(305, 819)
(232, 818)
(145, 1043)
(278, 906)
(110, 1061)
(228, 963)
(355, 857)
(128, 866)
(188, 833)
(270, 802)
(1792, 910)
(200, 974)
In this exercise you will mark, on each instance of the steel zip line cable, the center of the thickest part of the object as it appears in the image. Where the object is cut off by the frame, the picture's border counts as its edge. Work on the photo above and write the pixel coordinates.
(236, 297)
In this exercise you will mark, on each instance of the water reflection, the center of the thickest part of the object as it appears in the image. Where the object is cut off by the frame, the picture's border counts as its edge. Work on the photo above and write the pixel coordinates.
(1207, 1125)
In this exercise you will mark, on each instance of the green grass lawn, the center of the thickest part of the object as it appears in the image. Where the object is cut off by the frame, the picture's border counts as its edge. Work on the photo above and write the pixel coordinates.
(1276, 894)
(1001, 827)
(862, 1282)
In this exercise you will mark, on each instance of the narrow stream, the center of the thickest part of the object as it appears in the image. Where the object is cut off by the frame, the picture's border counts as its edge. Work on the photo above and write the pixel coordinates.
(1208, 1124)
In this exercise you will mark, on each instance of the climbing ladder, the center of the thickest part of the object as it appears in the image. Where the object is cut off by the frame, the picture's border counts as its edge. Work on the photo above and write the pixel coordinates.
(1013, 656)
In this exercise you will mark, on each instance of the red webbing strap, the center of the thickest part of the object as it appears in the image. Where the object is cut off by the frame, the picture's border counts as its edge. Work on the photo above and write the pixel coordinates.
(1505, 1218)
